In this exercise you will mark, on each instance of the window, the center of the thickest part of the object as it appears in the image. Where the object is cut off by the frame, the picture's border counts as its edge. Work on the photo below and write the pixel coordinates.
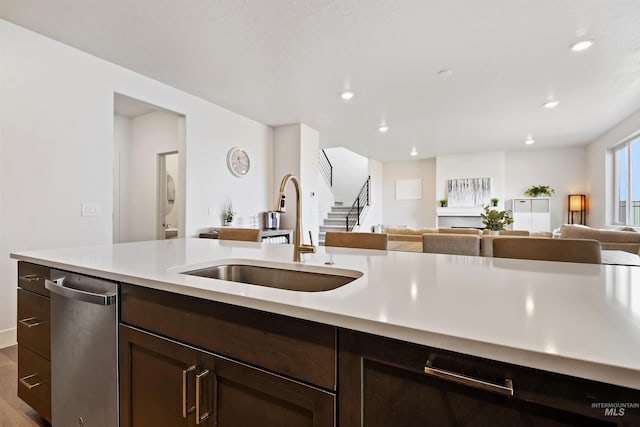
(627, 191)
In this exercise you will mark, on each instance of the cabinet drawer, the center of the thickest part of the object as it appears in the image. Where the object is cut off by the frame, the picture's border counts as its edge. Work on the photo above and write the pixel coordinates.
(34, 381)
(33, 323)
(297, 348)
(31, 277)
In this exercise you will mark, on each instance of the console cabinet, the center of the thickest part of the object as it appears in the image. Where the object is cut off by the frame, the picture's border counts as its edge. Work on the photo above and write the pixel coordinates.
(532, 213)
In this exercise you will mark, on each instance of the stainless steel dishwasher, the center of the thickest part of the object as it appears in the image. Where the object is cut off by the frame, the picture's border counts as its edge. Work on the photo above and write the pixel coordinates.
(84, 350)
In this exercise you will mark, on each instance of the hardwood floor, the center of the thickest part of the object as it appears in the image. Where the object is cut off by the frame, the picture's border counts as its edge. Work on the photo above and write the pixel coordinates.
(13, 411)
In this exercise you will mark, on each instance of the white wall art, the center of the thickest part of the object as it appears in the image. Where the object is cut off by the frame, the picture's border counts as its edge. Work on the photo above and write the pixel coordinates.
(408, 189)
(468, 192)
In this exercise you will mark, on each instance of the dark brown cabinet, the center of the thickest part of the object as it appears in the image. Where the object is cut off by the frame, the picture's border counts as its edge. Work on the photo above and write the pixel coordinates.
(242, 367)
(166, 383)
(384, 382)
(34, 342)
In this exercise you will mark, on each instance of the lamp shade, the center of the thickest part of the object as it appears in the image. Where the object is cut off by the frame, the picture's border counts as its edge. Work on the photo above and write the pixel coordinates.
(577, 202)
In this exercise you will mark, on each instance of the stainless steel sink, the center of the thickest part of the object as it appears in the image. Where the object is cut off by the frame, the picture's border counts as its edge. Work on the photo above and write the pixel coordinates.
(310, 279)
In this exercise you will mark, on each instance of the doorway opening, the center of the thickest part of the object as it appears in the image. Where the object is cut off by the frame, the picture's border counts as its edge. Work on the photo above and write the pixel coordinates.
(148, 172)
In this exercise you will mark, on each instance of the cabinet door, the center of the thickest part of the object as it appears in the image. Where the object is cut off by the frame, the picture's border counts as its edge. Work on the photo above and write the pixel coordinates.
(383, 383)
(215, 391)
(157, 381)
(522, 206)
(250, 397)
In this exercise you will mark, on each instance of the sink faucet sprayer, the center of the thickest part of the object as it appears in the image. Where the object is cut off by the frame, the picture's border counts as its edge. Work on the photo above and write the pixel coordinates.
(298, 247)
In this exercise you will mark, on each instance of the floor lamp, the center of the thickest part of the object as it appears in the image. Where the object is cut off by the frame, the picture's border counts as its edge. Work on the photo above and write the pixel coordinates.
(577, 207)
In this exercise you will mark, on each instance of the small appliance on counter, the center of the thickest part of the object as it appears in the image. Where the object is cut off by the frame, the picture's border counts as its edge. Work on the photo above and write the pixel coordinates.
(271, 220)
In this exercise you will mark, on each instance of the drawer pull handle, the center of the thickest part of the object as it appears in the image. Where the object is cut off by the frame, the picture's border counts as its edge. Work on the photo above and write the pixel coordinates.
(31, 385)
(506, 390)
(29, 278)
(30, 322)
(185, 372)
(199, 418)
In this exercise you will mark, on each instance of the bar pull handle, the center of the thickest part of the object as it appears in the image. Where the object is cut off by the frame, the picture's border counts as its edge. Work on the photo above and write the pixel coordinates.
(29, 383)
(29, 278)
(200, 418)
(185, 373)
(30, 322)
(57, 287)
(505, 390)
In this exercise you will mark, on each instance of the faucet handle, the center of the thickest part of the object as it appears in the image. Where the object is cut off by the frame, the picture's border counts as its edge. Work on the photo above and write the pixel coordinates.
(310, 238)
(307, 249)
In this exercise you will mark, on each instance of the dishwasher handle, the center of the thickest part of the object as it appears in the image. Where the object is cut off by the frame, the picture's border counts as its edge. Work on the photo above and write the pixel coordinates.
(57, 287)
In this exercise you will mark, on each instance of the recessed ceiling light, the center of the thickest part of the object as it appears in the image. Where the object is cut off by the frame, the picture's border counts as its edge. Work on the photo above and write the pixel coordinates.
(413, 152)
(383, 128)
(551, 104)
(346, 95)
(529, 141)
(581, 45)
(445, 73)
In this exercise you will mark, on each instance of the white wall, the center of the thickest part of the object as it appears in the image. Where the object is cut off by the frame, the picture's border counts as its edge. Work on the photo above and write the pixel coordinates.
(57, 145)
(412, 213)
(512, 172)
(374, 214)
(350, 171)
(309, 168)
(121, 143)
(600, 164)
(295, 151)
(564, 169)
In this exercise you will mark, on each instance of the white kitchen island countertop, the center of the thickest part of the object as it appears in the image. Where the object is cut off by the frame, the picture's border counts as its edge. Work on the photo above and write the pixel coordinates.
(576, 319)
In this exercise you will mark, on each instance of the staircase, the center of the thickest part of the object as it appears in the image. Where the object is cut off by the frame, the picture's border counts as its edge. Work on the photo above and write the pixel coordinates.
(335, 221)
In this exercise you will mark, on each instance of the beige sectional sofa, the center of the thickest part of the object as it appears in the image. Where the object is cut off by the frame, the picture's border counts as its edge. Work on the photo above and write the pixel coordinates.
(628, 241)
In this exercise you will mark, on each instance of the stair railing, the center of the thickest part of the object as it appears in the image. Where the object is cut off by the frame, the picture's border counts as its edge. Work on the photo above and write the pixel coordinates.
(362, 200)
(326, 168)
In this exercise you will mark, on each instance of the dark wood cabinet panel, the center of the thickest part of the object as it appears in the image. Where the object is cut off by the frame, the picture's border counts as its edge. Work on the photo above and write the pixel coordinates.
(297, 348)
(32, 276)
(229, 393)
(273, 400)
(34, 323)
(383, 382)
(34, 381)
(34, 338)
(151, 381)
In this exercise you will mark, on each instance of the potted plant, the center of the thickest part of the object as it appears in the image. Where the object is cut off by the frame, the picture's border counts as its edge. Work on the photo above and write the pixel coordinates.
(495, 220)
(539, 190)
(443, 203)
(228, 214)
(494, 201)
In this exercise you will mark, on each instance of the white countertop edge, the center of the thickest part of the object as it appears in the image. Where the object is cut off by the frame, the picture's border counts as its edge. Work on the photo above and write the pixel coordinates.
(621, 376)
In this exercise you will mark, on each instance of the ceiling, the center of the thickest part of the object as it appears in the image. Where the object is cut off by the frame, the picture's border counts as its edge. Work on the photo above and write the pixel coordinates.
(287, 61)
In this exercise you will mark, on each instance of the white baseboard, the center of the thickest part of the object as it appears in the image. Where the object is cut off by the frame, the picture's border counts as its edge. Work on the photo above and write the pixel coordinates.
(8, 338)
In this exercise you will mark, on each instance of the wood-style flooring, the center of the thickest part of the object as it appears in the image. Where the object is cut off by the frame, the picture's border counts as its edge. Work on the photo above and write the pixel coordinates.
(13, 411)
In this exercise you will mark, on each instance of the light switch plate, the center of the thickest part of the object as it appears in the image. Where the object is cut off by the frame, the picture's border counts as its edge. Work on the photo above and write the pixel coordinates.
(91, 209)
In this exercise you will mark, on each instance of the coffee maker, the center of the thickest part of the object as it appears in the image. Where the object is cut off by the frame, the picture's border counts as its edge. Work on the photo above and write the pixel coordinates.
(271, 220)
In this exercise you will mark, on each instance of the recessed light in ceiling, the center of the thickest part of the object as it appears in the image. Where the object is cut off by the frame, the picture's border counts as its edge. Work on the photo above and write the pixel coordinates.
(445, 73)
(413, 152)
(529, 141)
(551, 104)
(383, 128)
(346, 95)
(582, 45)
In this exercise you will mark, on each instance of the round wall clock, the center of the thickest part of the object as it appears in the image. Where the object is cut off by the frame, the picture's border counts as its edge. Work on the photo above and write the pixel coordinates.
(238, 161)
